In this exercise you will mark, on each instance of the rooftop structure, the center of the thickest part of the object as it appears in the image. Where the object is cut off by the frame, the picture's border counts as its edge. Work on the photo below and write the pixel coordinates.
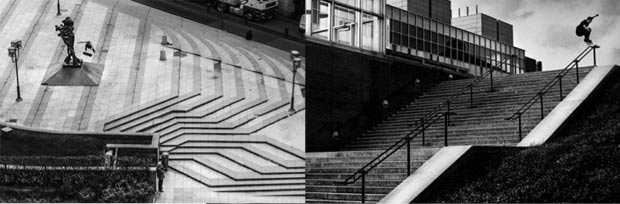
(487, 26)
(438, 10)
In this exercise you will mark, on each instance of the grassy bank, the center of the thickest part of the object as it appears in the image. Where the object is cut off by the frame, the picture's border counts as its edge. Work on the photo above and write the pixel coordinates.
(579, 165)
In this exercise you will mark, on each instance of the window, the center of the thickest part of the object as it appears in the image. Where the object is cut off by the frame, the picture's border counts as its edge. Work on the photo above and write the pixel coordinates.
(344, 26)
(350, 2)
(370, 32)
(372, 6)
(320, 19)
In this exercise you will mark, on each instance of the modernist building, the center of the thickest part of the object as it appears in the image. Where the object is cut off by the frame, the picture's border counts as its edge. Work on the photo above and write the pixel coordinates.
(435, 9)
(487, 26)
(363, 52)
(371, 25)
(354, 23)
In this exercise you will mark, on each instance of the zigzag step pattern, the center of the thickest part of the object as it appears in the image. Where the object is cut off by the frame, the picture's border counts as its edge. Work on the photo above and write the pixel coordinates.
(209, 135)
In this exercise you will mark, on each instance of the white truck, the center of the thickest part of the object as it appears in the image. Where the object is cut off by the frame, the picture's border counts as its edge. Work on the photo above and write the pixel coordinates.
(249, 9)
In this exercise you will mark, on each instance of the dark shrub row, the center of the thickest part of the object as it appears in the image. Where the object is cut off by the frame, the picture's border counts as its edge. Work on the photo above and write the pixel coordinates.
(76, 186)
(91, 160)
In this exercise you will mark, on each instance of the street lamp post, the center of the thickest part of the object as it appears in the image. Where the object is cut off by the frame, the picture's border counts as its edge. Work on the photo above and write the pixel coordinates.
(14, 54)
(296, 64)
(58, 7)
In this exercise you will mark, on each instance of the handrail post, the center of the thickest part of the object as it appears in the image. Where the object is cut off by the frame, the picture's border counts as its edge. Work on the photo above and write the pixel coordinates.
(448, 103)
(594, 53)
(561, 95)
(542, 113)
(471, 96)
(447, 122)
(363, 186)
(423, 128)
(519, 114)
(408, 157)
(445, 129)
(492, 70)
(577, 69)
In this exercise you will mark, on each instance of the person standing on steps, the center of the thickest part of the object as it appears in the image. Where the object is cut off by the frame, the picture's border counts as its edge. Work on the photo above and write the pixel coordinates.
(160, 176)
(583, 29)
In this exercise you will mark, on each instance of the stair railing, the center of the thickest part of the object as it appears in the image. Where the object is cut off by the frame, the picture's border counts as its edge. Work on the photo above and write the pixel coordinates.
(421, 125)
(557, 79)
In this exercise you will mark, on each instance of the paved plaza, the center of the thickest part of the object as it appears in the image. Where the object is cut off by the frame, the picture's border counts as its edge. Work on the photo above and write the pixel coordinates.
(219, 102)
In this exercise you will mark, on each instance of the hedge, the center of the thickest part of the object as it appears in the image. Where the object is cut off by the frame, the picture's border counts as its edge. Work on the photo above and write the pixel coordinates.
(76, 186)
(91, 160)
(23, 143)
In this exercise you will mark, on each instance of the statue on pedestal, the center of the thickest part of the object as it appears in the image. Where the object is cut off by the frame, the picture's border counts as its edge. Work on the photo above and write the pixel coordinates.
(68, 37)
(73, 71)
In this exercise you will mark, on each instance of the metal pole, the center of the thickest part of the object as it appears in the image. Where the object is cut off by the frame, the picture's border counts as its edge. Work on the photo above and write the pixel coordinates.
(19, 96)
(492, 70)
(423, 128)
(363, 186)
(561, 95)
(471, 96)
(292, 109)
(408, 156)
(58, 8)
(445, 129)
(577, 69)
(448, 112)
(519, 114)
(594, 49)
(542, 114)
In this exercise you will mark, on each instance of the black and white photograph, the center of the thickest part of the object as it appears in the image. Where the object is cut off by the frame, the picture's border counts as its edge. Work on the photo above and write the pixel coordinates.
(462, 101)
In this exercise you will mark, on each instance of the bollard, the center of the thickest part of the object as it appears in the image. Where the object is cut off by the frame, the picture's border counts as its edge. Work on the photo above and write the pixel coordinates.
(249, 35)
(162, 55)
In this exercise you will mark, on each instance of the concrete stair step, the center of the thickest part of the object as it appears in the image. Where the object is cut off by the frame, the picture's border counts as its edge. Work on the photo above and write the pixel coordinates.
(211, 182)
(172, 110)
(266, 158)
(343, 196)
(348, 189)
(148, 110)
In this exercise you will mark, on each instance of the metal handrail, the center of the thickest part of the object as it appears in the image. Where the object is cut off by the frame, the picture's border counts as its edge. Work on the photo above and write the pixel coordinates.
(557, 79)
(425, 122)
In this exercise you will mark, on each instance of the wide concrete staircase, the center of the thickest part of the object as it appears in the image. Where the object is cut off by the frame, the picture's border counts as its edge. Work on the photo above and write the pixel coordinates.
(324, 169)
(482, 124)
(212, 132)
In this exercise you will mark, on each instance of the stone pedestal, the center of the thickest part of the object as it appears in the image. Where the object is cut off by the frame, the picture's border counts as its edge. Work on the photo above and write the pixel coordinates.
(89, 74)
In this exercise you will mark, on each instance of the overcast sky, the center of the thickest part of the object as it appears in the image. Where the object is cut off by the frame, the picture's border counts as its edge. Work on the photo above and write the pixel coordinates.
(545, 29)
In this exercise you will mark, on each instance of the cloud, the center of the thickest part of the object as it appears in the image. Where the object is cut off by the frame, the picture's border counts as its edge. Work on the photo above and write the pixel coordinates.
(616, 52)
(610, 8)
(545, 29)
(560, 36)
(526, 14)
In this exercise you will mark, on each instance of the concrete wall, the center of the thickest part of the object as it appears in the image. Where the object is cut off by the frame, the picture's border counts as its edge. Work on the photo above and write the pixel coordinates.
(346, 90)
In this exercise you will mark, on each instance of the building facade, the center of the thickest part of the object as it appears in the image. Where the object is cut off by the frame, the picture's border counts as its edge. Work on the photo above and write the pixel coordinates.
(354, 23)
(426, 38)
(435, 9)
(373, 26)
(486, 26)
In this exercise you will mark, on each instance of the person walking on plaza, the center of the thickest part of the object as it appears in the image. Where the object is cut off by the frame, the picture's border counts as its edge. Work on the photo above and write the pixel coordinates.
(583, 29)
(160, 176)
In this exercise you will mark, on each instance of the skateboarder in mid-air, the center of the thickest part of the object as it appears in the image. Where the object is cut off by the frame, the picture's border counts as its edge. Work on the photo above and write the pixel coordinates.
(584, 30)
